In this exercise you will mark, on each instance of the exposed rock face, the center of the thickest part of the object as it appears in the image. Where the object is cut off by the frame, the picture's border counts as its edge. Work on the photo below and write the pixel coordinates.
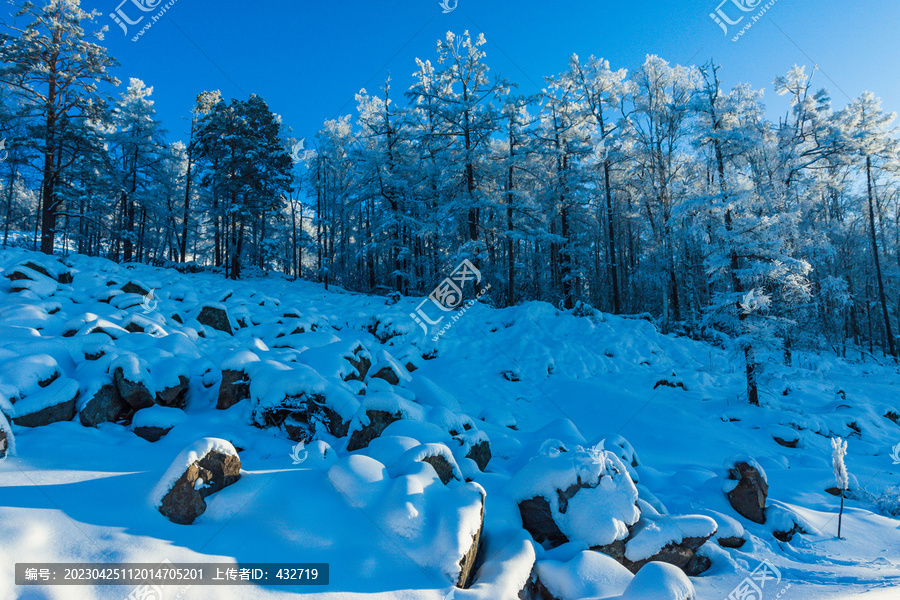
(235, 387)
(152, 434)
(537, 518)
(682, 555)
(175, 396)
(64, 394)
(748, 498)
(731, 542)
(362, 362)
(135, 288)
(481, 454)
(185, 501)
(786, 443)
(216, 318)
(388, 374)
(378, 421)
(467, 562)
(106, 406)
(442, 467)
(135, 394)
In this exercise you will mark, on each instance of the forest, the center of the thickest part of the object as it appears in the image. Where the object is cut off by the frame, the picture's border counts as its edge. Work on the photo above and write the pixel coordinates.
(653, 192)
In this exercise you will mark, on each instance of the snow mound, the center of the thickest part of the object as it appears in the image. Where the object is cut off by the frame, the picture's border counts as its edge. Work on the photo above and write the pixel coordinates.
(590, 574)
(660, 581)
(158, 416)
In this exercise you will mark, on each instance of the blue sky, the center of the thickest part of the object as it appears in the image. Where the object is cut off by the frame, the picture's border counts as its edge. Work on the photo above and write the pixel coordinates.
(307, 59)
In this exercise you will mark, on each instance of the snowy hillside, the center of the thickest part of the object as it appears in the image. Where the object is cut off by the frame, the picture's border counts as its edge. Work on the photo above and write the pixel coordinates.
(528, 453)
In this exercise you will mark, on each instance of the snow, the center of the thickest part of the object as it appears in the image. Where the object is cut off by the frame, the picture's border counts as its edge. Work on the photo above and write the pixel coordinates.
(158, 416)
(662, 581)
(384, 511)
(185, 459)
(654, 532)
(587, 575)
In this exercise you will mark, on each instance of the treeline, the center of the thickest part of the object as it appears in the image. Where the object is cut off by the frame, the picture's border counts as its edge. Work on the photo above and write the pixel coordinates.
(655, 191)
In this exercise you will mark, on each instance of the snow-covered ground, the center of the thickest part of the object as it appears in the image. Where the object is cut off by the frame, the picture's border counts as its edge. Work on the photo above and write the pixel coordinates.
(532, 380)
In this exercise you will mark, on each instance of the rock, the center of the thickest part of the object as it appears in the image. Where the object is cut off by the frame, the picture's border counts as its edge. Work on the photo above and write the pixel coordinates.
(786, 443)
(185, 501)
(388, 369)
(362, 362)
(135, 394)
(53, 404)
(215, 317)
(537, 518)
(748, 497)
(175, 396)
(135, 288)
(378, 420)
(7, 440)
(151, 434)
(234, 388)
(442, 467)
(468, 562)
(105, 406)
(481, 454)
(731, 542)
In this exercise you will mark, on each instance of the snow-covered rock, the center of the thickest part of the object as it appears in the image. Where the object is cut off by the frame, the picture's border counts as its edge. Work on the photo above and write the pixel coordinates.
(582, 495)
(747, 487)
(201, 469)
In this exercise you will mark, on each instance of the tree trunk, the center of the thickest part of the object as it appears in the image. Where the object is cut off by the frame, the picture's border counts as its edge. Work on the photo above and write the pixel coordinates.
(881, 294)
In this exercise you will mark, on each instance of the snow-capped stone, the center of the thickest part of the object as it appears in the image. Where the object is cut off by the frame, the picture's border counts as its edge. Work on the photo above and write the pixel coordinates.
(669, 539)
(133, 380)
(386, 367)
(583, 495)
(101, 403)
(155, 422)
(747, 488)
(215, 316)
(201, 469)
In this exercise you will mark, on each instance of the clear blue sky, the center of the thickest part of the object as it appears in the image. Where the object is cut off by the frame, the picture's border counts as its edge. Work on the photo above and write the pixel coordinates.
(308, 58)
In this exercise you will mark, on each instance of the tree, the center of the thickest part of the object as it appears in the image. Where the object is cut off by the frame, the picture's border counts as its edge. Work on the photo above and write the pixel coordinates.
(56, 70)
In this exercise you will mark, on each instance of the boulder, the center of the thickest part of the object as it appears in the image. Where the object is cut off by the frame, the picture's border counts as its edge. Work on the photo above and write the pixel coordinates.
(748, 495)
(378, 421)
(480, 453)
(234, 388)
(215, 317)
(134, 393)
(103, 406)
(52, 404)
(151, 434)
(175, 396)
(213, 466)
(537, 518)
(468, 562)
(155, 422)
(663, 535)
(135, 288)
